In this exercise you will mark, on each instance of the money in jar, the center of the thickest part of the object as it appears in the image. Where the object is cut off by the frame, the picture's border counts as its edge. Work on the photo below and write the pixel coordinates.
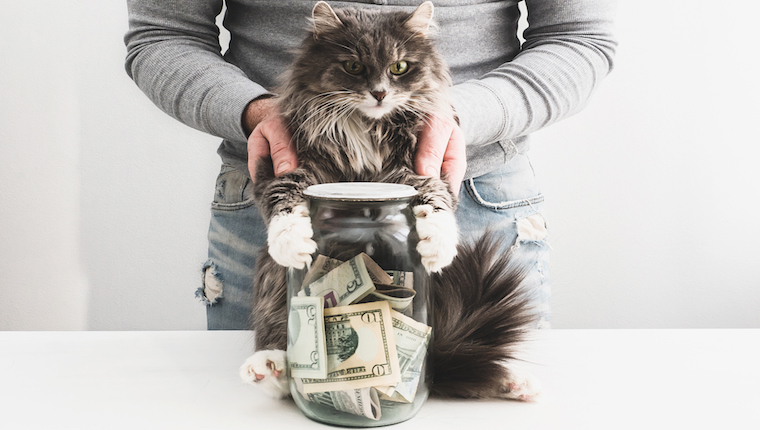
(359, 324)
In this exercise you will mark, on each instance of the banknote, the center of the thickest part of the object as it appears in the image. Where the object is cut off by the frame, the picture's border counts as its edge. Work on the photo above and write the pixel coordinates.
(400, 298)
(376, 273)
(411, 338)
(321, 266)
(346, 284)
(361, 349)
(406, 390)
(359, 401)
(401, 278)
(307, 351)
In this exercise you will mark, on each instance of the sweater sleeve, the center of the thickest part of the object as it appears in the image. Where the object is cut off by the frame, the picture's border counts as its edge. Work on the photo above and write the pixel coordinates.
(568, 49)
(174, 57)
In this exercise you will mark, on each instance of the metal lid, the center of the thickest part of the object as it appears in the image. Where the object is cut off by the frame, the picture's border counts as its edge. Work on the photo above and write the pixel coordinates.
(360, 191)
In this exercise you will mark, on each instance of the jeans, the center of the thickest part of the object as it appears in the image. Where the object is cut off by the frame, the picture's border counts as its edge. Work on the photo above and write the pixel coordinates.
(506, 201)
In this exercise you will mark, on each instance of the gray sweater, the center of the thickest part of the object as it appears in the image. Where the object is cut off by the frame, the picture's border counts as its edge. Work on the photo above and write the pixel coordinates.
(503, 91)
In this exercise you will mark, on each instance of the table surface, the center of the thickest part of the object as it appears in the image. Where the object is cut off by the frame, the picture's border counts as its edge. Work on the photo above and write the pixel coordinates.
(592, 379)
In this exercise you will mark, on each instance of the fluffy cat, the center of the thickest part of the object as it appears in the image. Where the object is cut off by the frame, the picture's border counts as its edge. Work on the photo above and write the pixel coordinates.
(361, 86)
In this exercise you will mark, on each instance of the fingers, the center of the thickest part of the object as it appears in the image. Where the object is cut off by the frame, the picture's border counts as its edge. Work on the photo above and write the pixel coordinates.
(271, 138)
(441, 149)
(455, 159)
(431, 147)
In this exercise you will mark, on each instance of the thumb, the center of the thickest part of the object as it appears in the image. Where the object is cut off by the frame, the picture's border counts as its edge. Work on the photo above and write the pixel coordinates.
(281, 147)
(271, 138)
(454, 164)
(431, 147)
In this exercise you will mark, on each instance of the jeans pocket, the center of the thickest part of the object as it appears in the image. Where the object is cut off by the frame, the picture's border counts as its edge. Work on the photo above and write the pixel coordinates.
(233, 191)
(492, 203)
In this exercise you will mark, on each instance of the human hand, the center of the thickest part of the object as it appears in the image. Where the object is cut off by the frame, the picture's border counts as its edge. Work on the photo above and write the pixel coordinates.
(270, 137)
(441, 150)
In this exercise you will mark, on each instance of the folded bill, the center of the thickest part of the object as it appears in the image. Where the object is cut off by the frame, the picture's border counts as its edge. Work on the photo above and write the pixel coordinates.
(360, 401)
(400, 298)
(402, 279)
(346, 284)
(307, 351)
(411, 338)
(321, 266)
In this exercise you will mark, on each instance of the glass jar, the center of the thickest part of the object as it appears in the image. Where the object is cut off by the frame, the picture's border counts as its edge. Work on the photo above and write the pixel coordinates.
(359, 325)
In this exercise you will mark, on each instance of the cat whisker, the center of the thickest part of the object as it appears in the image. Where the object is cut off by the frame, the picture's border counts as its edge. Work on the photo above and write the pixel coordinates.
(326, 118)
(417, 112)
(321, 106)
(309, 103)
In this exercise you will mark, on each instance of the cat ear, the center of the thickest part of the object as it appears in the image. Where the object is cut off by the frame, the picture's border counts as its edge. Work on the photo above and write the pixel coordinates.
(421, 18)
(324, 18)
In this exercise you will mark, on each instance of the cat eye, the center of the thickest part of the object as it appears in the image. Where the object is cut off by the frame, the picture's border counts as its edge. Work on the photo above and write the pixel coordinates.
(353, 67)
(399, 67)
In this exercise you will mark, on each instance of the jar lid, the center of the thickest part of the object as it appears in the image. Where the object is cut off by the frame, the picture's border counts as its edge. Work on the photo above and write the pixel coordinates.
(360, 191)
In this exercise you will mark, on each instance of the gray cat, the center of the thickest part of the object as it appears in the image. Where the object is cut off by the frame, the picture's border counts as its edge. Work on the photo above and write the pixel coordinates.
(360, 88)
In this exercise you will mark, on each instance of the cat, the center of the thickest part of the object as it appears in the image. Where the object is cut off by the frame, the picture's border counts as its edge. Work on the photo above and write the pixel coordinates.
(361, 86)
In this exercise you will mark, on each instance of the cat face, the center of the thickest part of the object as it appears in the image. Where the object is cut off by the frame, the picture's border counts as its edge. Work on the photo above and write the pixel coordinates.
(371, 64)
(378, 82)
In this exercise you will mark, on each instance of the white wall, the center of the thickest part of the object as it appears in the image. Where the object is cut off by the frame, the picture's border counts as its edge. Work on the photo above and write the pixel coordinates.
(105, 198)
(39, 181)
(652, 190)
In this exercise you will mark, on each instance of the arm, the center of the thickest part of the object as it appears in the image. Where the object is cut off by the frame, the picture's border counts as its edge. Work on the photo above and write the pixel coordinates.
(173, 55)
(568, 49)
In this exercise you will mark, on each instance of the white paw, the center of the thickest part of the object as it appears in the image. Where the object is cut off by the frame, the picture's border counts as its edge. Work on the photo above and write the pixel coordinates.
(267, 369)
(289, 238)
(522, 386)
(438, 237)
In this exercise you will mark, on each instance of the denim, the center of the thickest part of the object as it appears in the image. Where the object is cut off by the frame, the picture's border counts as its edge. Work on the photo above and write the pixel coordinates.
(501, 201)
(236, 235)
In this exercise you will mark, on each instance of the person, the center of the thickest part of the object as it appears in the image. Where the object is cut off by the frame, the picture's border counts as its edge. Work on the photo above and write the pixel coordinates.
(503, 91)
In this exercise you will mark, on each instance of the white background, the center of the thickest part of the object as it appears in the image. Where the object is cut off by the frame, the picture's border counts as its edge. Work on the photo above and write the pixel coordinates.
(652, 190)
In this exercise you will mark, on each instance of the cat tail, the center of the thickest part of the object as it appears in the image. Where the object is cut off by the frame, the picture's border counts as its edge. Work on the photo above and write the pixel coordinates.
(482, 314)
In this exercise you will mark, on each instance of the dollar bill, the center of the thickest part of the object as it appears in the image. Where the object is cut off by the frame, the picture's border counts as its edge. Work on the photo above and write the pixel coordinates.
(406, 390)
(400, 298)
(411, 338)
(359, 401)
(376, 273)
(346, 284)
(361, 349)
(321, 266)
(307, 351)
(402, 279)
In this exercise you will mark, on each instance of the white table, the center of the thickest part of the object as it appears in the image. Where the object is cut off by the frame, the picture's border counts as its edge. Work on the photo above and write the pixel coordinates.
(593, 379)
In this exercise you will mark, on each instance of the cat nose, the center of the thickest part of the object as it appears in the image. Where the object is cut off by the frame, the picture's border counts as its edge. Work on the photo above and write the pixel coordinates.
(379, 95)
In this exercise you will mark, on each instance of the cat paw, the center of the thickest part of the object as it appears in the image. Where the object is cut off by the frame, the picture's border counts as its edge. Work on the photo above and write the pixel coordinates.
(289, 238)
(267, 369)
(438, 235)
(521, 386)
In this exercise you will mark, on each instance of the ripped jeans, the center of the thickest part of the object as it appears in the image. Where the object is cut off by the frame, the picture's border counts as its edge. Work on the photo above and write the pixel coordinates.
(506, 201)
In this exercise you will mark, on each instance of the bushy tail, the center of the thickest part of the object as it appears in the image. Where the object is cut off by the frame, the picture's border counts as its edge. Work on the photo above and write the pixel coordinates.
(481, 315)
